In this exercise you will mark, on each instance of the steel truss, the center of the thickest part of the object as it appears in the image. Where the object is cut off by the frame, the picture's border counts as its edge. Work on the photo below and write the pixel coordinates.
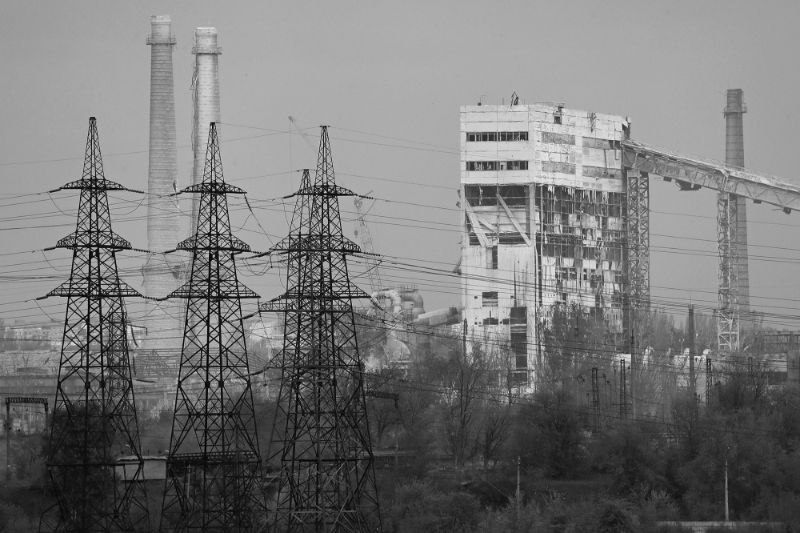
(94, 414)
(638, 233)
(728, 282)
(213, 461)
(321, 442)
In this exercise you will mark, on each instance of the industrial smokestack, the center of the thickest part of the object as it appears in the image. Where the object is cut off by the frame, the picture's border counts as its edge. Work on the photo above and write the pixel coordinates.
(206, 102)
(162, 319)
(734, 155)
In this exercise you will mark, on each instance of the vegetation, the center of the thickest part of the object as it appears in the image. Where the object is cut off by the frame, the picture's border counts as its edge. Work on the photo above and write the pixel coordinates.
(583, 468)
(465, 434)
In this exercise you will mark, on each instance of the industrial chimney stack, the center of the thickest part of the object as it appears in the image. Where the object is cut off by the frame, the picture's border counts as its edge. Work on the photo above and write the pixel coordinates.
(205, 102)
(734, 155)
(161, 272)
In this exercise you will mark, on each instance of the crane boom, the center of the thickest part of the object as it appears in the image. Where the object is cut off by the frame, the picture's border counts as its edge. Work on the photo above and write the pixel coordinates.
(362, 230)
(302, 133)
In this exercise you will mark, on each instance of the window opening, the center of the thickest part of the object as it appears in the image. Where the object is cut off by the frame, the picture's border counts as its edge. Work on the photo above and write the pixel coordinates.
(489, 299)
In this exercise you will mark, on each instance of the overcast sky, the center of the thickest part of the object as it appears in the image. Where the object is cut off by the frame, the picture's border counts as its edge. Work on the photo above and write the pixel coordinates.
(389, 79)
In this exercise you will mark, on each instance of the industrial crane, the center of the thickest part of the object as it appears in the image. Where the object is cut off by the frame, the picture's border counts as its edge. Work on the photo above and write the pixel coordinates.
(301, 132)
(362, 230)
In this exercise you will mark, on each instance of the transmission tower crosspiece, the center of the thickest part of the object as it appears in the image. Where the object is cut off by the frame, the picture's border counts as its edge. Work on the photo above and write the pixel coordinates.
(213, 461)
(321, 443)
(94, 416)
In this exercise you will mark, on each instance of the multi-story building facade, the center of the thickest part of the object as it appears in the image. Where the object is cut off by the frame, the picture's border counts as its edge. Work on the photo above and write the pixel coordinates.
(544, 206)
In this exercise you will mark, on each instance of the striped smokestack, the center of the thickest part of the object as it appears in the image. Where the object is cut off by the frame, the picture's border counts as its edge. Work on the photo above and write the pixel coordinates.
(206, 102)
(734, 155)
(162, 319)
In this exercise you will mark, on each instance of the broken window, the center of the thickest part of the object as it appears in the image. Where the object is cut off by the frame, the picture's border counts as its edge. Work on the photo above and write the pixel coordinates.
(557, 138)
(489, 299)
(494, 258)
(491, 321)
(500, 165)
(494, 136)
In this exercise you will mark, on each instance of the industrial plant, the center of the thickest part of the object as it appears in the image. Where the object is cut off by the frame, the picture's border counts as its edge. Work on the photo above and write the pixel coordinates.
(222, 409)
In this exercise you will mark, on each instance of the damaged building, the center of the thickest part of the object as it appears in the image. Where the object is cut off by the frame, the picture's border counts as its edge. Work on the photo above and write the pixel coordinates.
(544, 207)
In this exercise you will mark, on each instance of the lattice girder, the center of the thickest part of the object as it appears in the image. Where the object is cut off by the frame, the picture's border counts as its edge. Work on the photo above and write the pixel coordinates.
(728, 282)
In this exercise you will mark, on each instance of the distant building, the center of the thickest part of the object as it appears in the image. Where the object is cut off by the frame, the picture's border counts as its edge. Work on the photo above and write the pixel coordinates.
(543, 202)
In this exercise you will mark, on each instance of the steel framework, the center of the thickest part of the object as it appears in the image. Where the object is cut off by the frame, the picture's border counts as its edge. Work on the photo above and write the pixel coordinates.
(213, 460)
(362, 231)
(728, 282)
(321, 442)
(638, 233)
(94, 414)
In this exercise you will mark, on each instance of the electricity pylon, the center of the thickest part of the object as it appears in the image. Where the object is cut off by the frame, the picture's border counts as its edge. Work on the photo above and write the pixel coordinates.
(321, 443)
(94, 414)
(213, 461)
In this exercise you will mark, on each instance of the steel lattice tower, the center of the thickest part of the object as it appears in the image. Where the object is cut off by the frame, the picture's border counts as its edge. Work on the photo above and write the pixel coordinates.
(321, 443)
(213, 460)
(94, 415)
(728, 293)
(638, 234)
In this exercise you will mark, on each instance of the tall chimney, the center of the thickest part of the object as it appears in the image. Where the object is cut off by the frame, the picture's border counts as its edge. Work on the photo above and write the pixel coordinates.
(734, 155)
(162, 319)
(206, 102)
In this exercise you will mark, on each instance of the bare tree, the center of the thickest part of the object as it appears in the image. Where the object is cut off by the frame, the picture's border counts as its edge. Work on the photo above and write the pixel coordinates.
(463, 378)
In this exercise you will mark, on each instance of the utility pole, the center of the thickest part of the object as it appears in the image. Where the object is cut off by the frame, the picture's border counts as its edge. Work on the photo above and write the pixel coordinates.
(691, 335)
(595, 400)
(709, 382)
(8, 441)
(519, 463)
(727, 516)
(460, 435)
(623, 396)
(633, 367)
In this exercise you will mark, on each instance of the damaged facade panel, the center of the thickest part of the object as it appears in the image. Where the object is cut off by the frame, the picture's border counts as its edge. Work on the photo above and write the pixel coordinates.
(546, 230)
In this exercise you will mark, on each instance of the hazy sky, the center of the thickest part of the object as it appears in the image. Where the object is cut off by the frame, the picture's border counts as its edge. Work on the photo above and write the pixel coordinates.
(389, 79)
